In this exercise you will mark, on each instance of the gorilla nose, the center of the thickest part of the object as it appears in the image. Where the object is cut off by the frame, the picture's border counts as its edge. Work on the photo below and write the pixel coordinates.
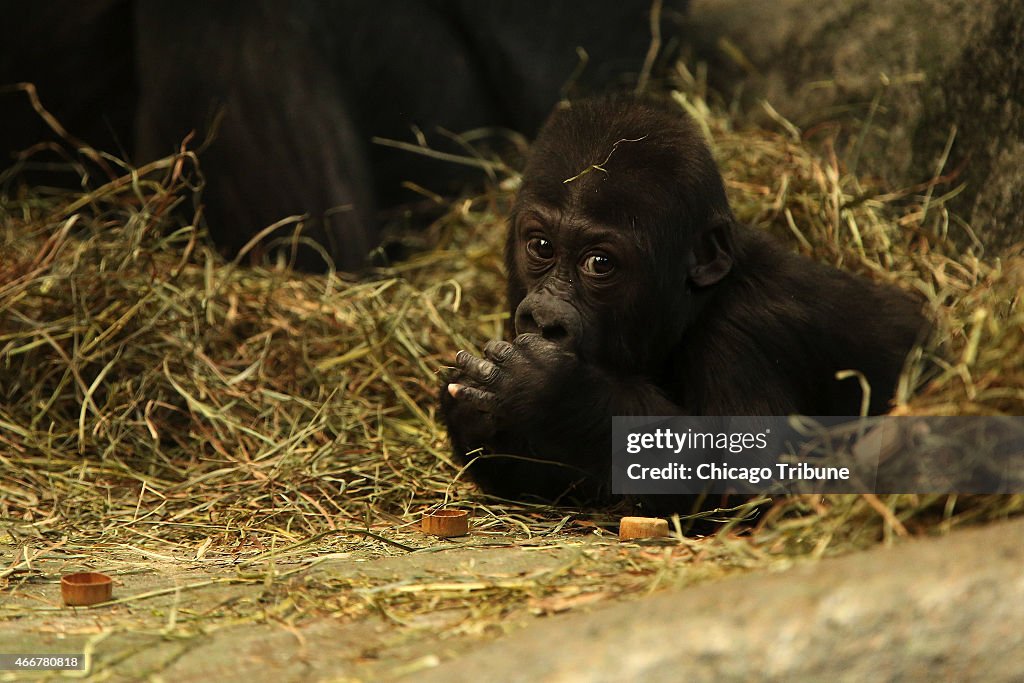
(557, 324)
(555, 333)
(527, 324)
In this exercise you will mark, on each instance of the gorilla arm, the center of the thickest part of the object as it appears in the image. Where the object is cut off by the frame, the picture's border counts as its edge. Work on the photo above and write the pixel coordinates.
(529, 400)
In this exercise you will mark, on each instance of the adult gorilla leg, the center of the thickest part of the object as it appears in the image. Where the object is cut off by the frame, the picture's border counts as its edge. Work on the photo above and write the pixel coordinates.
(285, 144)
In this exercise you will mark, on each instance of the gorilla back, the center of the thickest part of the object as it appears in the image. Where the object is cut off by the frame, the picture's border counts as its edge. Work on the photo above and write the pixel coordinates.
(633, 291)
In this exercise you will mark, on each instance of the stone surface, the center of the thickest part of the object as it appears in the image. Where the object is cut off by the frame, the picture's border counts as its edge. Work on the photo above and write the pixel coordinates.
(939, 609)
(907, 73)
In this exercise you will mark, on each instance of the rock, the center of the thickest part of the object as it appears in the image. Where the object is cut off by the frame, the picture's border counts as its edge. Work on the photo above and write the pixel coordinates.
(910, 72)
(947, 608)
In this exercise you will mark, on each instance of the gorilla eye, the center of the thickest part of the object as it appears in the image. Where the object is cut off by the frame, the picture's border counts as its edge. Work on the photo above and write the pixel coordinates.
(541, 249)
(597, 264)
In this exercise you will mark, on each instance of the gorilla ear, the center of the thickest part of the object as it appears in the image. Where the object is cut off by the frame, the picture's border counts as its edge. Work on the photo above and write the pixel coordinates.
(712, 255)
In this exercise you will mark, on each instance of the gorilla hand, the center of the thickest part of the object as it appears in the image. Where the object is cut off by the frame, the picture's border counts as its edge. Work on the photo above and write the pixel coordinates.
(515, 383)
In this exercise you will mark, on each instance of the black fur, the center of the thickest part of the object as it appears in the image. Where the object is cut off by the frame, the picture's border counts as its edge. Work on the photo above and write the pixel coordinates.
(699, 316)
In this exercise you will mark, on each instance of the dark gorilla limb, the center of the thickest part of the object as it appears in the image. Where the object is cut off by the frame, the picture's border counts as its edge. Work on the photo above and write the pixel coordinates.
(285, 142)
(633, 291)
(303, 88)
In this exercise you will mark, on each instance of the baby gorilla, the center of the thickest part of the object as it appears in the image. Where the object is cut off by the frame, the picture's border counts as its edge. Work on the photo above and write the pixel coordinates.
(633, 291)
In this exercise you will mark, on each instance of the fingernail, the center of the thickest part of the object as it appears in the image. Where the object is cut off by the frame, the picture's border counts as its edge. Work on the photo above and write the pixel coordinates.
(453, 390)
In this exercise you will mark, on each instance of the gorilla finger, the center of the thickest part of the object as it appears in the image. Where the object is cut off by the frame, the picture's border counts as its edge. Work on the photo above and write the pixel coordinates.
(463, 357)
(498, 350)
(535, 342)
(529, 339)
(449, 375)
(479, 370)
(484, 400)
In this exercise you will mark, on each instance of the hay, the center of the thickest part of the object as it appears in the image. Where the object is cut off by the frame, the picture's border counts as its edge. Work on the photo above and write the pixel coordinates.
(155, 396)
(160, 382)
